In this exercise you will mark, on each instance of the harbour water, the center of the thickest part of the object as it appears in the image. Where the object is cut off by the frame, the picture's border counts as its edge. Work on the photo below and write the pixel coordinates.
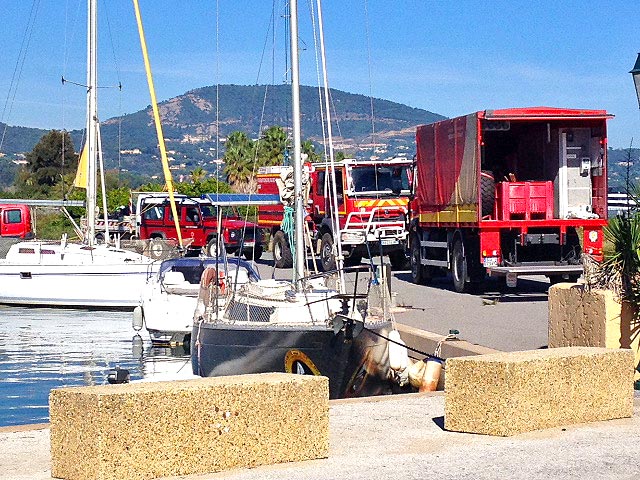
(44, 348)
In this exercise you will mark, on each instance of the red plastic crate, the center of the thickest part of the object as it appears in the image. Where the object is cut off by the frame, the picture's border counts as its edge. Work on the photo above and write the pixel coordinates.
(524, 200)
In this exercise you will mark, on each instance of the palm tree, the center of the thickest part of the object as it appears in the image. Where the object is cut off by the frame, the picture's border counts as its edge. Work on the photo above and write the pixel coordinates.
(239, 159)
(273, 143)
(198, 174)
(309, 149)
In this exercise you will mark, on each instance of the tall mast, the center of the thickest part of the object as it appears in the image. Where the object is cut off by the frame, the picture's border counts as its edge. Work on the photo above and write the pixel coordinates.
(92, 117)
(332, 166)
(299, 262)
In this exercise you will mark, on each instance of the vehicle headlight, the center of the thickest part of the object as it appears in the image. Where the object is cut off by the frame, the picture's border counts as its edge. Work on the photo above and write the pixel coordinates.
(352, 237)
(593, 236)
(233, 234)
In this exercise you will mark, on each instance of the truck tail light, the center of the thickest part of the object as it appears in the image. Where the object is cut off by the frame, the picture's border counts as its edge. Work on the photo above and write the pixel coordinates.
(490, 253)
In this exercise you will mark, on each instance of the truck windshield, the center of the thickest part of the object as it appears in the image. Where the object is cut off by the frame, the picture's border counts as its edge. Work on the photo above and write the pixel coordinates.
(380, 178)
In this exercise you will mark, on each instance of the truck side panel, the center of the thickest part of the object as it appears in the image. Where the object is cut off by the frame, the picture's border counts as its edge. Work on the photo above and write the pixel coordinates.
(447, 173)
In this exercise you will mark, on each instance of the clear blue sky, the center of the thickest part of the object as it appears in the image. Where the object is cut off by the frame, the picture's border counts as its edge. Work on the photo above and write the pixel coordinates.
(449, 57)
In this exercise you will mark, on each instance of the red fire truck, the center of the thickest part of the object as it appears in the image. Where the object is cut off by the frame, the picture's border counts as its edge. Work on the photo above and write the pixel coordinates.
(507, 193)
(198, 226)
(373, 198)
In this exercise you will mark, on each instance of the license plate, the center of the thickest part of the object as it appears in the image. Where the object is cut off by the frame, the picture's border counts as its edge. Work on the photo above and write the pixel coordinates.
(389, 241)
(490, 262)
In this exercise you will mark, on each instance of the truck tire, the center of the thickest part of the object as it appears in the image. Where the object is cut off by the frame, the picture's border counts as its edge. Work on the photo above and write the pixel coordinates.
(210, 249)
(281, 251)
(399, 260)
(327, 258)
(419, 272)
(488, 192)
(253, 253)
(459, 270)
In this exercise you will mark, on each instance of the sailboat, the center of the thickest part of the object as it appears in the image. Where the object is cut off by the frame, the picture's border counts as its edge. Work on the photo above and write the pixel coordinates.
(335, 324)
(86, 274)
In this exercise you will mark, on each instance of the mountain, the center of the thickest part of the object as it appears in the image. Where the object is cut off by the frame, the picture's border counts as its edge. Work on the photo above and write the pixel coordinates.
(190, 127)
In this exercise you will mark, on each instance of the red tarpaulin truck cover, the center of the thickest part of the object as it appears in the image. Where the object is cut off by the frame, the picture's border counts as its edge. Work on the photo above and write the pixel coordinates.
(448, 154)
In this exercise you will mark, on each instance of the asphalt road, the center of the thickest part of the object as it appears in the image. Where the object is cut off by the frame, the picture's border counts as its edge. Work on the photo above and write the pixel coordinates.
(499, 318)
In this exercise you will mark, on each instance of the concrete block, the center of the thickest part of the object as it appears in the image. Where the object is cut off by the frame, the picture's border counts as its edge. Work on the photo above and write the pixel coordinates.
(156, 429)
(513, 392)
(592, 318)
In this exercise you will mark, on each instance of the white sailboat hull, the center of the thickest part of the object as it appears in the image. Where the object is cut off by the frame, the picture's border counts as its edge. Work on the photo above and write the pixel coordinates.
(72, 275)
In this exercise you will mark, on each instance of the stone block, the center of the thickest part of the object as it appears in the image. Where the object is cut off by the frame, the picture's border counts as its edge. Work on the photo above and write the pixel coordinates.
(156, 429)
(513, 392)
(592, 318)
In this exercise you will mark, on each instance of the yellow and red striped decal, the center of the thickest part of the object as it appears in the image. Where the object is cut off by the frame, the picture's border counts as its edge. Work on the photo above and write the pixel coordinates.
(386, 202)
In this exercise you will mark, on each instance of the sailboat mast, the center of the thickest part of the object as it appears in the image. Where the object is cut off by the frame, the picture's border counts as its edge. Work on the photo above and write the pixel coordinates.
(299, 207)
(92, 117)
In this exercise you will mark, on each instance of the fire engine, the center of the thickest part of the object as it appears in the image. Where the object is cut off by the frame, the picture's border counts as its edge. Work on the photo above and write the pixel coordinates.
(372, 199)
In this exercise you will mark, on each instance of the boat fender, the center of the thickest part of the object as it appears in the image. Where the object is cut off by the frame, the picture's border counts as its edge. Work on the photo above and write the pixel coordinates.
(207, 276)
(221, 282)
(425, 374)
(138, 318)
(398, 354)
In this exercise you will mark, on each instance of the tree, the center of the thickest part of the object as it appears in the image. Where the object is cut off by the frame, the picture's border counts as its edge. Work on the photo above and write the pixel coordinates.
(273, 144)
(50, 159)
(239, 158)
(198, 174)
(309, 149)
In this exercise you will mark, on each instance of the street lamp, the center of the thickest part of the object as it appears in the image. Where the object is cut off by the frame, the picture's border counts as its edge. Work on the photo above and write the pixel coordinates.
(635, 73)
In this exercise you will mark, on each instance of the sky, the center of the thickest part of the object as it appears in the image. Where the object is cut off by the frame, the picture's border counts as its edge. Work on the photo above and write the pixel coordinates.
(448, 57)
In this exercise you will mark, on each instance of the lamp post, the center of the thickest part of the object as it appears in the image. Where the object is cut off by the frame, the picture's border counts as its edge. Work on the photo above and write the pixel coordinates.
(635, 73)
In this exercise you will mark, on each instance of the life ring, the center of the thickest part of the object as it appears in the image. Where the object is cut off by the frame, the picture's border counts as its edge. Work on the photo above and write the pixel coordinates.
(296, 361)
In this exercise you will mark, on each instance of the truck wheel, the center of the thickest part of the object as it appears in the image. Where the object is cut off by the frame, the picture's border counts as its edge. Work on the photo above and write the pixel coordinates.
(327, 258)
(419, 272)
(459, 268)
(157, 249)
(399, 260)
(253, 254)
(210, 249)
(281, 251)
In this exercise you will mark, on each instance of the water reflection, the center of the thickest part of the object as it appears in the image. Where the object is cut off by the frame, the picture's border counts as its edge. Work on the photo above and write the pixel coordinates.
(43, 348)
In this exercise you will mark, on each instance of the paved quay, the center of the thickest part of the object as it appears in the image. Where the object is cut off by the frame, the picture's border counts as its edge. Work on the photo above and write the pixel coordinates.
(402, 437)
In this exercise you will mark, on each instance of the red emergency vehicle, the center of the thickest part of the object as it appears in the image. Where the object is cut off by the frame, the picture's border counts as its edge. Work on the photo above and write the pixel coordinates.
(373, 198)
(507, 193)
(15, 221)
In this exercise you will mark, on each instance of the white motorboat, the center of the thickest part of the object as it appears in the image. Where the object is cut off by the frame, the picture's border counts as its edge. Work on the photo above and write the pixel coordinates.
(171, 296)
(69, 274)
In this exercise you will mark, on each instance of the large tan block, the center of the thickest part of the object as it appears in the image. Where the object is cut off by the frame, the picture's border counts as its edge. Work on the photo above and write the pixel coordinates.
(513, 392)
(591, 318)
(154, 429)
